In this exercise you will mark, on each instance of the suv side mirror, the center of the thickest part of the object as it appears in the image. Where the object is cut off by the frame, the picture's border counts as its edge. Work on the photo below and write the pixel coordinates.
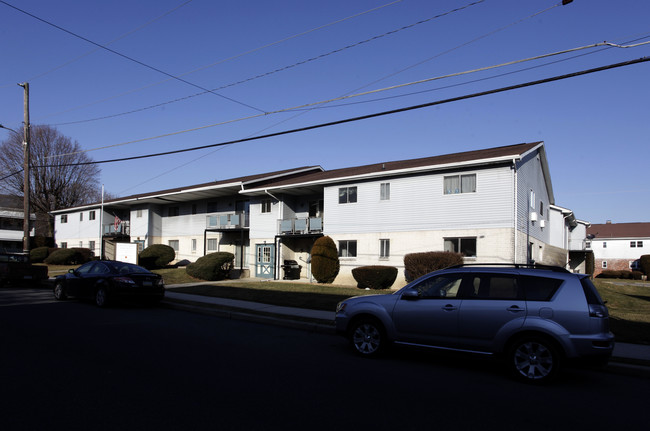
(410, 294)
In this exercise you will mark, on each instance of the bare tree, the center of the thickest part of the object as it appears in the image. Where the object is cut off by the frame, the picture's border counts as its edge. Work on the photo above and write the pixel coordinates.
(59, 177)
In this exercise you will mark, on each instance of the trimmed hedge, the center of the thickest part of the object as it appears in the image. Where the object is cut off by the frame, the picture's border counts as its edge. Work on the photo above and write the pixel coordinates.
(156, 256)
(69, 256)
(39, 254)
(212, 267)
(644, 264)
(623, 274)
(374, 276)
(325, 263)
(418, 264)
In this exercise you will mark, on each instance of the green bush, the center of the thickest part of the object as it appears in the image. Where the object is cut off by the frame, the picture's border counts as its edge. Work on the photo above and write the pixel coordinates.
(644, 264)
(418, 264)
(39, 254)
(374, 276)
(69, 256)
(212, 267)
(325, 263)
(623, 274)
(637, 275)
(156, 256)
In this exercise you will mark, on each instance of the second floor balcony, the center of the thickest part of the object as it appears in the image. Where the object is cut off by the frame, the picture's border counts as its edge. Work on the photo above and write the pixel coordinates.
(233, 220)
(300, 226)
(121, 229)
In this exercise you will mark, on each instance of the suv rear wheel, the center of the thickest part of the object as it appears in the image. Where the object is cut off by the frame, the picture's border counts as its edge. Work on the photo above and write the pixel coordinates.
(533, 359)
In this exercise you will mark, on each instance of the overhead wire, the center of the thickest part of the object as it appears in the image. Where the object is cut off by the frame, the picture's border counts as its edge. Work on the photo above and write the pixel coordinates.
(268, 45)
(373, 115)
(112, 51)
(122, 36)
(345, 97)
(281, 69)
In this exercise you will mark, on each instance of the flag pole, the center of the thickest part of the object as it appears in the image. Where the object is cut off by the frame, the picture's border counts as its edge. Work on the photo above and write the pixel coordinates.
(101, 221)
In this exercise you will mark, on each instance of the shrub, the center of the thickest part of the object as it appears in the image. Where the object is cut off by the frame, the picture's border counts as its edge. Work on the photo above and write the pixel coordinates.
(38, 255)
(637, 275)
(156, 256)
(644, 264)
(375, 276)
(212, 267)
(325, 263)
(69, 256)
(418, 264)
(611, 273)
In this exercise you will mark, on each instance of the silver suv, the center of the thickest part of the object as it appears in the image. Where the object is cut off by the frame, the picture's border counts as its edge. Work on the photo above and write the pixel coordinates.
(535, 317)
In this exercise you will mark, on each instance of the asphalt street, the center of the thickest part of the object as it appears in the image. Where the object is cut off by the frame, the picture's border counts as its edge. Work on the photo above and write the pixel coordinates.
(70, 365)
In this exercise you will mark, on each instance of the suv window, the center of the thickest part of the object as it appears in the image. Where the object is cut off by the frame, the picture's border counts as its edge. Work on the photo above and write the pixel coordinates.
(592, 295)
(540, 288)
(493, 286)
(443, 286)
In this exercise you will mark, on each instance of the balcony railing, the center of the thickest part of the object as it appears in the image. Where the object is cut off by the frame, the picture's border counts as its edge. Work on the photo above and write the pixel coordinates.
(123, 228)
(300, 226)
(236, 220)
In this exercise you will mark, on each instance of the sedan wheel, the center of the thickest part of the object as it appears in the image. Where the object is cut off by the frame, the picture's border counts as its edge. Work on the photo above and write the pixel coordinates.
(367, 337)
(59, 291)
(101, 297)
(534, 360)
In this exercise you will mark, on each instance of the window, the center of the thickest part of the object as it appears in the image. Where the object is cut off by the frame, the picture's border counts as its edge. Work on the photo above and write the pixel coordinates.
(266, 206)
(173, 243)
(173, 211)
(443, 286)
(541, 209)
(91, 245)
(493, 286)
(532, 199)
(64, 245)
(604, 264)
(466, 246)
(91, 215)
(193, 208)
(639, 244)
(348, 248)
(604, 244)
(212, 244)
(193, 245)
(384, 248)
(633, 244)
(81, 244)
(347, 195)
(384, 191)
(540, 288)
(81, 216)
(64, 218)
(460, 184)
(138, 213)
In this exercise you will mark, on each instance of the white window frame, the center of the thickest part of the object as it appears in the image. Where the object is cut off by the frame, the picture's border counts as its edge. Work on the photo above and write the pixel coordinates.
(266, 206)
(454, 185)
(384, 191)
(344, 195)
(344, 248)
(214, 243)
(91, 215)
(384, 248)
(64, 218)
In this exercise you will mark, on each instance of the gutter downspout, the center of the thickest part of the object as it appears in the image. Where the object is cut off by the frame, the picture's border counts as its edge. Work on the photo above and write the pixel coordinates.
(515, 211)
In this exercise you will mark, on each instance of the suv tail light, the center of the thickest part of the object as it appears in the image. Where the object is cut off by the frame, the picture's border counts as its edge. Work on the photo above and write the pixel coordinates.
(596, 310)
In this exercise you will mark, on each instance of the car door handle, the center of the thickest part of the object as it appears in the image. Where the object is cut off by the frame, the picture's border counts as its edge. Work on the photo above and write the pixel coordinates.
(515, 308)
(449, 307)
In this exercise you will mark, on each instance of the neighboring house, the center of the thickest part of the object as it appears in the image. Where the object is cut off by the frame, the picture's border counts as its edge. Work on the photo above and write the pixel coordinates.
(492, 205)
(12, 222)
(618, 246)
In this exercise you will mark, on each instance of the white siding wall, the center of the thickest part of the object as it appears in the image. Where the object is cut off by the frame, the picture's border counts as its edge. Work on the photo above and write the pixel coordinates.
(263, 226)
(619, 248)
(76, 232)
(419, 204)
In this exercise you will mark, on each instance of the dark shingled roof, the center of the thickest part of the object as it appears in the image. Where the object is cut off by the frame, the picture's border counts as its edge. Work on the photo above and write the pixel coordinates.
(619, 230)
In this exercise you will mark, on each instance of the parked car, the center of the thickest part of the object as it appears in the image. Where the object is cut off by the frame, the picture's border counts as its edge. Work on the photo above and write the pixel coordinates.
(16, 268)
(533, 317)
(106, 281)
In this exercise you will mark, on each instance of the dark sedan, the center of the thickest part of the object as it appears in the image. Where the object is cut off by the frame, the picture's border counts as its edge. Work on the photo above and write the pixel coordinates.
(106, 281)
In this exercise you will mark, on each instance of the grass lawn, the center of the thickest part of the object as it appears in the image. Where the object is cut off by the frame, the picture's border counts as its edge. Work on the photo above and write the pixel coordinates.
(629, 308)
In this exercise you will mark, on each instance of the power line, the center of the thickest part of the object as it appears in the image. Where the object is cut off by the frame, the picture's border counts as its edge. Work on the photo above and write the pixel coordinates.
(112, 51)
(268, 45)
(375, 115)
(281, 69)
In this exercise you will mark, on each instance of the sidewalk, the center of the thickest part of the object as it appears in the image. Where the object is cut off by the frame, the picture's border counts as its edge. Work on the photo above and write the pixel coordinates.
(631, 359)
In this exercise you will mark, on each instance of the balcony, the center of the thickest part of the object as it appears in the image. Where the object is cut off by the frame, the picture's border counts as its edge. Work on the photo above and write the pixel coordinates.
(123, 229)
(300, 226)
(237, 220)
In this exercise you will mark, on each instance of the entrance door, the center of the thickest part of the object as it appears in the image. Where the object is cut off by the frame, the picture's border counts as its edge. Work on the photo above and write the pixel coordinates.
(264, 254)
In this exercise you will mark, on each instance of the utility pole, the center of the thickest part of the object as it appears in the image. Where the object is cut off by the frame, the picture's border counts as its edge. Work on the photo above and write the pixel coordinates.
(26, 189)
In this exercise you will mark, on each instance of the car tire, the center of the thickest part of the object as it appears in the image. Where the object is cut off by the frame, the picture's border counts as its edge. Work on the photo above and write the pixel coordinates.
(533, 360)
(367, 337)
(101, 296)
(59, 291)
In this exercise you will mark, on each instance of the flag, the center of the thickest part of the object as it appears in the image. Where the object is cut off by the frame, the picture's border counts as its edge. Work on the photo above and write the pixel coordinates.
(117, 223)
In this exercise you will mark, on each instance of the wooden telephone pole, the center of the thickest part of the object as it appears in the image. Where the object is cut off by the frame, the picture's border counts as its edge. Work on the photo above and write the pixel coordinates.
(26, 189)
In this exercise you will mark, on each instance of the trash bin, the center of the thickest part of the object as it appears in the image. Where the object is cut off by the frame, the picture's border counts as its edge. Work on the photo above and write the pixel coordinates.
(291, 270)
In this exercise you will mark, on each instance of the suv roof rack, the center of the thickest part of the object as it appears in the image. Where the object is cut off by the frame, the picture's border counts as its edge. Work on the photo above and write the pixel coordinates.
(517, 265)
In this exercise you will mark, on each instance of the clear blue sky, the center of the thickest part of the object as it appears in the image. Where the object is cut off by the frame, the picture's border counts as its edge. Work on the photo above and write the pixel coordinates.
(595, 127)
